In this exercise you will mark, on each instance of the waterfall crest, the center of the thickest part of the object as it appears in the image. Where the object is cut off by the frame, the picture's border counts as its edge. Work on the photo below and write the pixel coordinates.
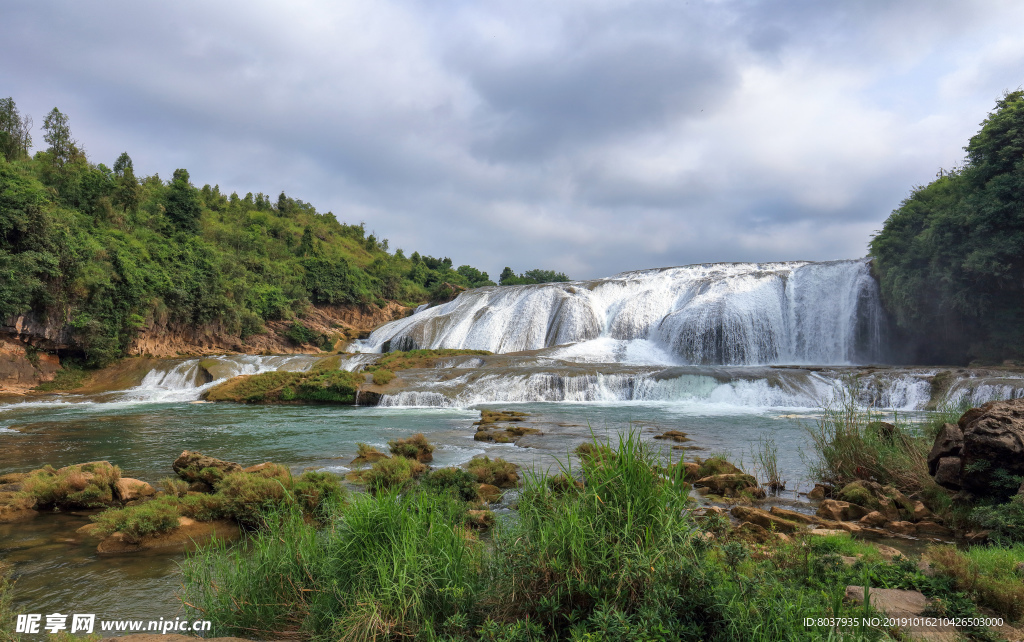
(710, 314)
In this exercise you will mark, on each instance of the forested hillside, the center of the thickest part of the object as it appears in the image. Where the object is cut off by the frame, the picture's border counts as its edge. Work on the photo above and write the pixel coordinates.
(103, 252)
(950, 259)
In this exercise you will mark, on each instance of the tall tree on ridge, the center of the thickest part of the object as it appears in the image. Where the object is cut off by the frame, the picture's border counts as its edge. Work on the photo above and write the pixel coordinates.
(183, 206)
(14, 131)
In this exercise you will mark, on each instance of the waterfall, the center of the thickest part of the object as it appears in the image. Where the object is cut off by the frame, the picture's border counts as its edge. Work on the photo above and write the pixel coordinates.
(720, 313)
(188, 379)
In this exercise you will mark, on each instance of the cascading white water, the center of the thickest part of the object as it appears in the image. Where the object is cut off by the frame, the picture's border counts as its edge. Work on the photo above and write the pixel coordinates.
(779, 389)
(187, 380)
(723, 313)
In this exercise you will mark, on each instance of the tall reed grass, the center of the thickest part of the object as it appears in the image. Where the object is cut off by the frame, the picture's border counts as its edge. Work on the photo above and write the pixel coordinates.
(616, 556)
(851, 442)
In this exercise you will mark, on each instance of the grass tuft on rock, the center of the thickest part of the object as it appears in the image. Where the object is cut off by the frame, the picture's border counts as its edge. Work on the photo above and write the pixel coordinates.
(88, 485)
(414, 447)
(496, 472)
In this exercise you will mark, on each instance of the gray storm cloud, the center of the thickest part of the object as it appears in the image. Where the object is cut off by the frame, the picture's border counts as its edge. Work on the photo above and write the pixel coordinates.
(589, 137)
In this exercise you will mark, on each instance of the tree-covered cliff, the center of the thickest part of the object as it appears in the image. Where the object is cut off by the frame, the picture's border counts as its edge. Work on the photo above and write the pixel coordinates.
(950, 259)
(103, 252)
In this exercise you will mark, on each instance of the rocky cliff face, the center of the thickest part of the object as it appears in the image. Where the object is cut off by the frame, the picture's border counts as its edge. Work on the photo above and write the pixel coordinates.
(22, 367)
(163, 339)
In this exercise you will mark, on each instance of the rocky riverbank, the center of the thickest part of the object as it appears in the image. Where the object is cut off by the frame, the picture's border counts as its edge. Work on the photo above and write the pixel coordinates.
(29, 347)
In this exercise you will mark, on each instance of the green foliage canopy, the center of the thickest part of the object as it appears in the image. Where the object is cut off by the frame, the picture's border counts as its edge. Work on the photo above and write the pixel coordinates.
(107, 253)
(950, 259)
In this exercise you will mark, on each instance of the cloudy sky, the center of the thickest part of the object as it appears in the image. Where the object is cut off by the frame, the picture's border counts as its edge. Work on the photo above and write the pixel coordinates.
(587, 136)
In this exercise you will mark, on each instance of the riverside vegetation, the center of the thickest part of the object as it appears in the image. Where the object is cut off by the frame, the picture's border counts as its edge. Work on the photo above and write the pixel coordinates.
(613, 550)
(101, 253)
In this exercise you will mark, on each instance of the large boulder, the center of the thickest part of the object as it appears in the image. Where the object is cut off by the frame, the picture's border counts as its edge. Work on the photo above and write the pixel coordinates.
(197, 467)
(993, 448)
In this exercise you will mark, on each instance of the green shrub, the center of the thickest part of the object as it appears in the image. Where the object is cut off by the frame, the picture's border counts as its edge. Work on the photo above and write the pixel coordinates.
(460, 483)
(1005, 522)
(300, 334)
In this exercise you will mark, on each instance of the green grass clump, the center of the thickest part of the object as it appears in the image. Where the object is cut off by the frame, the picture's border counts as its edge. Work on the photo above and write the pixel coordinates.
(715, 465)
(134, 522)
(460, 483)
(990, 574)
(247, 498)
(8, 616)
(175, 486)
(850, 445)
(496, 472)
(367, 454)
(383, 377)
(414, 447)
(394, 474)
(79, 486)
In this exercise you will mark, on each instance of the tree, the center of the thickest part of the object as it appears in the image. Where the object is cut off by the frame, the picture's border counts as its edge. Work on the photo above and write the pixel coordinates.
(950, 258)
(545, 276)
(183, 207)
(15, 140)
(507, 276)
(62, 148)
(127, 191)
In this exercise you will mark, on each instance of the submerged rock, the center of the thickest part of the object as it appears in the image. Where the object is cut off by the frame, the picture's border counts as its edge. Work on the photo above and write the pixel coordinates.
(197, 467)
